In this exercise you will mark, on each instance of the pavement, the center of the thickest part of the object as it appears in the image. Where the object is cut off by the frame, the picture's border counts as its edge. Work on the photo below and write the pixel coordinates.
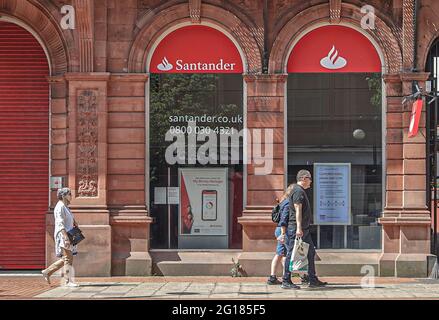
(218, 288)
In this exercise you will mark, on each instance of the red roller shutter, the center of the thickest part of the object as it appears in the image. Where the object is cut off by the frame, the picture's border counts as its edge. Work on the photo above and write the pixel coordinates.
(24, 149)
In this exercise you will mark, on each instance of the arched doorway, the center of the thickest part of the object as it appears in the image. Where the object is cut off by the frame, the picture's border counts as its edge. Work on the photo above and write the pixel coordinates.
(24, 148)
(195, 104)
(334, 116)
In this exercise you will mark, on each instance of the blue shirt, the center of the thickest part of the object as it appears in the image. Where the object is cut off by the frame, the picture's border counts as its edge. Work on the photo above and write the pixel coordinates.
(284, 213)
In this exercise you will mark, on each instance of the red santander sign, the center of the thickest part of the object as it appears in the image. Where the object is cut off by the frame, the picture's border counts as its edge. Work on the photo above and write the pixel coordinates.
(332, 49)
(196, 49)
(415, 117)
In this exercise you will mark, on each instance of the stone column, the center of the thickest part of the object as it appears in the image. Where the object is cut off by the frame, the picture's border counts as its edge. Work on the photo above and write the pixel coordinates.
(87, 169)
(58, 153)
(265, 111)
(406, 219)
(128, 182)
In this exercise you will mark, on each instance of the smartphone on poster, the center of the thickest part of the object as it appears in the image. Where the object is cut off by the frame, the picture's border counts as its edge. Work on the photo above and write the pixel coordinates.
(209, 212)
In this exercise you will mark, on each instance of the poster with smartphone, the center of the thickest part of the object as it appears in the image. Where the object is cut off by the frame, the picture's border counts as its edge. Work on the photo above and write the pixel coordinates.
(203, 201)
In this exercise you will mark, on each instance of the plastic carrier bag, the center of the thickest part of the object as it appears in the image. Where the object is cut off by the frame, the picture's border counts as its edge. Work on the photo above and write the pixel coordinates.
(299, 257)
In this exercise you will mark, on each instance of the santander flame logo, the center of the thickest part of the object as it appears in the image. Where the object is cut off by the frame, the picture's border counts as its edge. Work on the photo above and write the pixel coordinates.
(333, 61)
(165, 65)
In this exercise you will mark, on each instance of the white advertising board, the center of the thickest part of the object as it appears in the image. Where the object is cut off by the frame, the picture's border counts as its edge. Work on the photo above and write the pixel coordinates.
(332, 193)
(203, 201)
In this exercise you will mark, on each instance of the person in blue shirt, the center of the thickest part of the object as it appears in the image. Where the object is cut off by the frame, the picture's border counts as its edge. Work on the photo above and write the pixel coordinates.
(281, 250)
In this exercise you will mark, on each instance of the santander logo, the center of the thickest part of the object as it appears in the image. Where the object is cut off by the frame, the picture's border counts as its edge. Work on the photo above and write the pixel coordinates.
(165, 65)
(333, 61)
(180, 65)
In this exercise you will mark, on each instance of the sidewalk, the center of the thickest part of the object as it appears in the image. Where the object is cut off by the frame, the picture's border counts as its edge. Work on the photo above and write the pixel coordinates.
(171, 288)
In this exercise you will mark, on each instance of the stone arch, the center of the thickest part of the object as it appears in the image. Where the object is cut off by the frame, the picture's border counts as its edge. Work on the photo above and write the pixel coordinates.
(151, 27)
(422, 62)
(350, 15)
(43, 21)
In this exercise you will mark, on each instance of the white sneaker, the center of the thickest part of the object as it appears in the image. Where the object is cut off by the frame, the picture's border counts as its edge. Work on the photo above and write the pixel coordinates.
(71, 285)
(45, 276)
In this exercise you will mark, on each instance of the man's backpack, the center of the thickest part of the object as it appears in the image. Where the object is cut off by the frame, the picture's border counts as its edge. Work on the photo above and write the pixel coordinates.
(275, 213)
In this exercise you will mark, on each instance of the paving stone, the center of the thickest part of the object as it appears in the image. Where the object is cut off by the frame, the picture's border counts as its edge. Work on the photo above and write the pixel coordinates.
(282, 296)
(228, 295)
(55, 293)
(92, 289)
(139, 294)
(197, 297)
(177, 284)
(224, 291)
(426, 295)
(116, 290)
(245, 288)
(150, 286)
(83, 295)
(254, 289)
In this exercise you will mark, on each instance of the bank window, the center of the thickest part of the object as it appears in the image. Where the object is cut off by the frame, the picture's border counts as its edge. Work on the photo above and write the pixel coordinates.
(335, 130)
(196, 167)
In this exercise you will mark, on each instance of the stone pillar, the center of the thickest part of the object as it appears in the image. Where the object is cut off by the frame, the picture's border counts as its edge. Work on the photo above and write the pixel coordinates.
(58, 153)
(128, 182)
(265, 110)
(406, 219)
(87, 170)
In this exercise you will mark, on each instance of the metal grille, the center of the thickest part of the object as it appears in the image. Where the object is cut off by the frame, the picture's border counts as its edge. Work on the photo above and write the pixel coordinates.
(24, 149)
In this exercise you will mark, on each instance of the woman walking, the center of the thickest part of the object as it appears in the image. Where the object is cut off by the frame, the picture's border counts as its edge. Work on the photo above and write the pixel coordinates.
(281, 250)
(64, 221)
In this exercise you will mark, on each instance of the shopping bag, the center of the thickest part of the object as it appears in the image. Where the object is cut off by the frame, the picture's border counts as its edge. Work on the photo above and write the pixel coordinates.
(299, 257)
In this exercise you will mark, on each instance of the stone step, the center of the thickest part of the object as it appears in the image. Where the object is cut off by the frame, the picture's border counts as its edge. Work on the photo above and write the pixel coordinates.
(194, 263)
(194, 268)
(352, 264)
(258, 264)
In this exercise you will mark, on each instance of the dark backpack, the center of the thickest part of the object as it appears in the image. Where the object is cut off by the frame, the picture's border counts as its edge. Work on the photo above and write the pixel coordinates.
(275, 213)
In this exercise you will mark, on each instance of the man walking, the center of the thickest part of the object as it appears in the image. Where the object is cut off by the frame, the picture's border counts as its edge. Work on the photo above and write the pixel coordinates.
(297, 224)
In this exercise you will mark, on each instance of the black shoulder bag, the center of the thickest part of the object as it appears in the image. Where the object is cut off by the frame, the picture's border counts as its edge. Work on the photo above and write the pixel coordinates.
(75, 235)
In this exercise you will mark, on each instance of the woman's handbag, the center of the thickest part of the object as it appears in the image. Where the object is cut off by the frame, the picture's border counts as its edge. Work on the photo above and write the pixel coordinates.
(75, 235)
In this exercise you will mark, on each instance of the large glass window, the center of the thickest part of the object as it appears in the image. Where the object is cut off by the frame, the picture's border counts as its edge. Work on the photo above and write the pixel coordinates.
(336, 118)
(215, 103)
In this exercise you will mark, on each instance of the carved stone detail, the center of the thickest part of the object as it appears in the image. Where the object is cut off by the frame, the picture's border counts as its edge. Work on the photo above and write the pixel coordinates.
(87, 144)
(195, 10)
(334, 11)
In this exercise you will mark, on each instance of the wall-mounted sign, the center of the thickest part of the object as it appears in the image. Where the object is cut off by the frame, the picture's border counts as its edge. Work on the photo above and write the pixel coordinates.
(56, 182)
(332, 193)
(203, 201)
(415, 117)
(196, 49)
(173, 195)
(160, 195)
(334, 49)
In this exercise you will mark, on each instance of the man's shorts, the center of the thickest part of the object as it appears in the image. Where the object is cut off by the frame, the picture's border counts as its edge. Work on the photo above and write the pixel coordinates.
(281, 250)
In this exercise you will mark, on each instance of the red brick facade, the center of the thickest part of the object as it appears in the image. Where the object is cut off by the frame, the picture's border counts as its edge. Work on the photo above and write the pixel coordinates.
(102, 65)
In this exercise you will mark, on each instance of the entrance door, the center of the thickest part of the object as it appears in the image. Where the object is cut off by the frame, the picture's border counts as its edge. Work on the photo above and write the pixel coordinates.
(432, 147)
(24, 149)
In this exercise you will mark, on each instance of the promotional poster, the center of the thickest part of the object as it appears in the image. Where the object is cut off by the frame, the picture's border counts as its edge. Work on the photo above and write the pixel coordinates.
(203, 201)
